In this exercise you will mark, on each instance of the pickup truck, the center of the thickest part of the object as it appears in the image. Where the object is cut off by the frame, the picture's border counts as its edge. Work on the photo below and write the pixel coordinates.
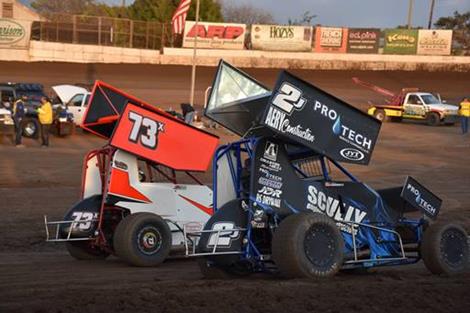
(75, 99)
(416, 105)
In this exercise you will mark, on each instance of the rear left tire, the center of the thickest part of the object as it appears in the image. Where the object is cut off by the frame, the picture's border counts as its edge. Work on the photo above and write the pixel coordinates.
(308, 245)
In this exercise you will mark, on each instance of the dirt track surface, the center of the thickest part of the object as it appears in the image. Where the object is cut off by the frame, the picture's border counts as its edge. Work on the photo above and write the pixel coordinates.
(40, 277)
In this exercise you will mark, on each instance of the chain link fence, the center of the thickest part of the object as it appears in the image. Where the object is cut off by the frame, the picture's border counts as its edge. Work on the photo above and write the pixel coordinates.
(103, 31)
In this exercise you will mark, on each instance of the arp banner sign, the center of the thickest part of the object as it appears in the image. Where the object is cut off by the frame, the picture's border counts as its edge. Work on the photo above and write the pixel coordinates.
(421, 198)
(400, 41)
(214, 35)
(434, 41)
(363, 40)
(14, 33)
(311, 117)
(331, 39)
(281, 37)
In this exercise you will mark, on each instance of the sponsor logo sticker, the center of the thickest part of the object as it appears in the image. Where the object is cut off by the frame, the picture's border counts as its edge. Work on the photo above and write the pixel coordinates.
(352, 154)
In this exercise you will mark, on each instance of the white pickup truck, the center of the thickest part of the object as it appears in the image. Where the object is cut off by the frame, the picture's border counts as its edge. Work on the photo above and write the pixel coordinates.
(75, 99)
(412, 104)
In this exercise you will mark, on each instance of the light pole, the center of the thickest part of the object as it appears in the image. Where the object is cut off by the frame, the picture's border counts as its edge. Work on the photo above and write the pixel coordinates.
(193, 69)
(431, 11)
(410, 12)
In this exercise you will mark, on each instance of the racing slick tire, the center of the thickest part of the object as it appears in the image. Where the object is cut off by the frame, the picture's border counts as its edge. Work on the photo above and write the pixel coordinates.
(82, 250)
(142, 239)
(30, 127)
(445, 249)
(380, 115)
(433, 119)
(308, 245)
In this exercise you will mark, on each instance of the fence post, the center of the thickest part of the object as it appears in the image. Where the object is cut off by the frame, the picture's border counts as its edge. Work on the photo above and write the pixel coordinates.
(57, 31)
(74, 27)
(162, 42)
(131, 33)
(99, 31)
(147, 34)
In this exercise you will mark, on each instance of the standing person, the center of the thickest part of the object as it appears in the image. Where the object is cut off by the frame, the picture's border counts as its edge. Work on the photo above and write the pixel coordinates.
(465, 113)
(45, 119)
(18, 115)
(188, 112)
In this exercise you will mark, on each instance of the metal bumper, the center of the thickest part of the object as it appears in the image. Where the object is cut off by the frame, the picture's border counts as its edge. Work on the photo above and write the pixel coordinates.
(53, 233)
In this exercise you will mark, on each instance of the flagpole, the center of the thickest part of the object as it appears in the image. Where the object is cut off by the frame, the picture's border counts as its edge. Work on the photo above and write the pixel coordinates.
(193, 70)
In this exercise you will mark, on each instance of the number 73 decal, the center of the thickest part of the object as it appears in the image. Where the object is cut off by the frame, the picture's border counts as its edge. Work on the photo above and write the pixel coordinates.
(145, 130)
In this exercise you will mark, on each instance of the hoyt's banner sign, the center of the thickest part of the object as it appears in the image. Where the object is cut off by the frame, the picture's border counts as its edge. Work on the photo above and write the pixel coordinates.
(434, 42)
(308, 115)
(281, 38)
(331, 39)
(363, 40)
(401, 41)
(214, 35)
(14, 33)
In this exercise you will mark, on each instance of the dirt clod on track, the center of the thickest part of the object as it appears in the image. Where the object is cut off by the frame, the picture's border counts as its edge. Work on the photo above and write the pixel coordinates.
(40, 277)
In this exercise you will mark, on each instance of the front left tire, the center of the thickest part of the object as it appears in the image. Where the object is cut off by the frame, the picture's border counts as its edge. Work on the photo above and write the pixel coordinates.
(142, 239)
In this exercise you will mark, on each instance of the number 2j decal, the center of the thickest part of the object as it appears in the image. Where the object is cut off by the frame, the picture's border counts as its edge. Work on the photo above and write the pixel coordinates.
(289, 98)
(145, 130)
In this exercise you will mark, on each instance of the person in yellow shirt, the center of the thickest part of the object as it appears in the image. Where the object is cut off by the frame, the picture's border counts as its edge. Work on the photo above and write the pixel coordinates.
(465, 114)
(45, 119)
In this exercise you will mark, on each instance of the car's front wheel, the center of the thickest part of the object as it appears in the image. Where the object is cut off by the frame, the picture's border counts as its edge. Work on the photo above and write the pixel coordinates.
(142, 239)
(30, 128)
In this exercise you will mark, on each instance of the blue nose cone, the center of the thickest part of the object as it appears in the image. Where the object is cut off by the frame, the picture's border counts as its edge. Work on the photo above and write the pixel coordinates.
(337, 126)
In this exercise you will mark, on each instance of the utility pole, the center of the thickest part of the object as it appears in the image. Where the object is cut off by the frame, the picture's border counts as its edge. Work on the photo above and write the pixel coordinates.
(193, 70)
(410, 12)
(431, 11)
(123, 3)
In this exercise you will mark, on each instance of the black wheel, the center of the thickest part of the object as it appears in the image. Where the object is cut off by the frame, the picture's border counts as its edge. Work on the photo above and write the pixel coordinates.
(142, 239)
(30, 128)
(83, 250)
(445, 249)
(433, 119)
(308, 245)
(380, 115)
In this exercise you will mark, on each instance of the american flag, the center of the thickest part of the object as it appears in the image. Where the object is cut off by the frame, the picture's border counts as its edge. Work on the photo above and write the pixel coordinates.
(179, 17)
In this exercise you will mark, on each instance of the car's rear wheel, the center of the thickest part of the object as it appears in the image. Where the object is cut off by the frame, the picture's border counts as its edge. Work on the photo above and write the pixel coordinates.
(445, 249)
(308, 245)
(30, 128)
(83, 250)
(142, 239)
(380, 115)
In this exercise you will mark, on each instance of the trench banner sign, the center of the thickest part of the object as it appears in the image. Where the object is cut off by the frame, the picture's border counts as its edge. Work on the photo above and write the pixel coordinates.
(14, 34)
(421, 198)
(331, 39)
(434, 41)
(363, 40)
(214, 35)
(301, 112)
(400, 41)
(281, 38)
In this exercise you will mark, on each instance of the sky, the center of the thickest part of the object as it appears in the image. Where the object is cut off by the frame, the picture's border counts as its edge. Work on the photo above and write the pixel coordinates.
(353, 13)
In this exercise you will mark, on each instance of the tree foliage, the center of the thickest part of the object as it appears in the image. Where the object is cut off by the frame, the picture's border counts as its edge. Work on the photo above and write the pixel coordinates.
(304, 20)
(460, 24)
(246, 14)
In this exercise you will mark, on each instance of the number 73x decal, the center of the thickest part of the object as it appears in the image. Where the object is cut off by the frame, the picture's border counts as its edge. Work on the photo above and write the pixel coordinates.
(145, 130)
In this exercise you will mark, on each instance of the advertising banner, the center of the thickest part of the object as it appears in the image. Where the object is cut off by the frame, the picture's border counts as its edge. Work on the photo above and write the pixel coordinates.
(214, 35)
(281, 38)
(421, 198)
(331, 39)
(363, 40)
(434, 42)
(14, 34)
(311, 117)
(401, 41)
